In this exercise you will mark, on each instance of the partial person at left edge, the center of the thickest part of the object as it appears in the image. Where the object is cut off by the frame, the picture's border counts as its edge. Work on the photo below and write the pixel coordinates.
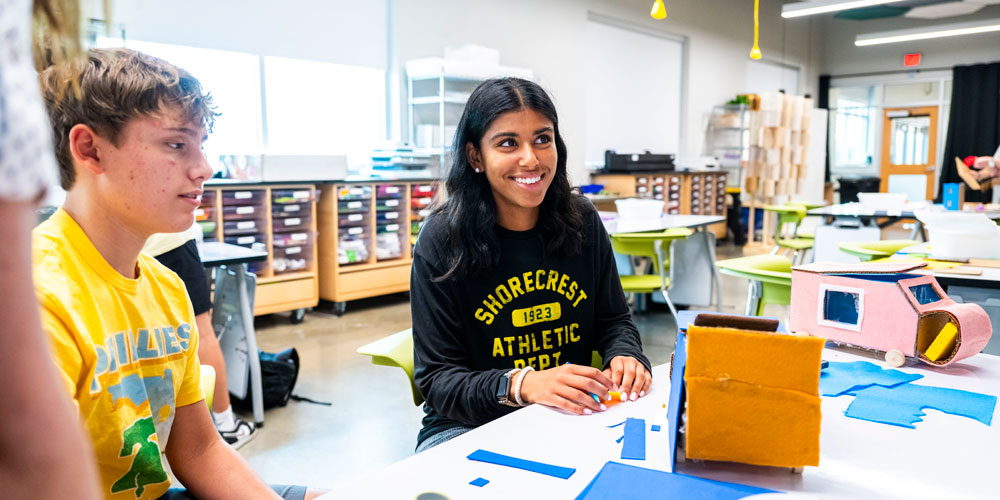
(128, 131)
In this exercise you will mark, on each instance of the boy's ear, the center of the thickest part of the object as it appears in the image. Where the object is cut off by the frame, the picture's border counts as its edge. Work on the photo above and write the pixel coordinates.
(475, 158)
(84, 148)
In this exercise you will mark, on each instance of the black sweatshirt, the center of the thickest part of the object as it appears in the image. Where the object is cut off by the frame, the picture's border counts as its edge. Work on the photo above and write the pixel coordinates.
(531, 309)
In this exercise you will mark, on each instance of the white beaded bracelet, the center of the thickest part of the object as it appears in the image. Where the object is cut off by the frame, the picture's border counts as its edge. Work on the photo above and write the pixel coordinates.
(517, 386)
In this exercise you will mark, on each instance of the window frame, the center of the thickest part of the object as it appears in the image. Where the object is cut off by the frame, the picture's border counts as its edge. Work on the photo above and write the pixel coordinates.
(821, 307)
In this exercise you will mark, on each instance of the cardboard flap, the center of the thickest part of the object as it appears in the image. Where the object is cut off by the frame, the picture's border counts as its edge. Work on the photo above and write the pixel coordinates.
(860, 268)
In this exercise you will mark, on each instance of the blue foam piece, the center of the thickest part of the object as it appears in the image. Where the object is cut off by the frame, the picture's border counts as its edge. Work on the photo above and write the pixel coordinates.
(903, 405)
(676, 398)
(520, 463)
(840, 378)
(619, 481)
(634, 447)
(616, 425)
(655, 428)
(620, 439)
(480, 482)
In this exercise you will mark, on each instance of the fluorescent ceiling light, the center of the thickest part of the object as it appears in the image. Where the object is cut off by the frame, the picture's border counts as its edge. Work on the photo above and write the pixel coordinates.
(937, 31)
(799, 9)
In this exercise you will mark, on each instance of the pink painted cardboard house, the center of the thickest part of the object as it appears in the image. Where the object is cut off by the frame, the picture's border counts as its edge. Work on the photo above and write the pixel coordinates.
(888, 308)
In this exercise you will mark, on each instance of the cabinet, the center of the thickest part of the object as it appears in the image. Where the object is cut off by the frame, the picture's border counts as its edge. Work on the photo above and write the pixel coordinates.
(727, 138)
(366, 236)
(280, 220)
(688, 193)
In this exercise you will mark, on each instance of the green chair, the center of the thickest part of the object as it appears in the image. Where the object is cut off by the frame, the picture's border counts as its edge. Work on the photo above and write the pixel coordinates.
(789, 241)
(802, 231)
(397, 350)
(657, 247)
(770, 280)
(874, 250)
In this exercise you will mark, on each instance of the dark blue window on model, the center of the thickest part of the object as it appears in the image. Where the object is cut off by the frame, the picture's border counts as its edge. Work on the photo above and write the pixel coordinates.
(925, 294)
(841, 307)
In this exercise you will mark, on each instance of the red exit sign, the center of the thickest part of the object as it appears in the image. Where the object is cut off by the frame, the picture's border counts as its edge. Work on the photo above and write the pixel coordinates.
(910, 60)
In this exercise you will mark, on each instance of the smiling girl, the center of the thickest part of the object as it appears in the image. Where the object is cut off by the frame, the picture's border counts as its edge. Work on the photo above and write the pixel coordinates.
(514, 284)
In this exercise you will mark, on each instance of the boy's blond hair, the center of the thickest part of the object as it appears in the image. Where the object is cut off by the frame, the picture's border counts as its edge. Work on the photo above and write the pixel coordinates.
(112, 87)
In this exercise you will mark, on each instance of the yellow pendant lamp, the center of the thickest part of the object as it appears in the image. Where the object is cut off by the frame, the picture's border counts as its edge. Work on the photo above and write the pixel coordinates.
(755, 51)
(658, 11)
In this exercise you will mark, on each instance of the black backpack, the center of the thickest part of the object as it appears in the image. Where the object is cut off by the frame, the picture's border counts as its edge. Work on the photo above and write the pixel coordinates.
(278, 372)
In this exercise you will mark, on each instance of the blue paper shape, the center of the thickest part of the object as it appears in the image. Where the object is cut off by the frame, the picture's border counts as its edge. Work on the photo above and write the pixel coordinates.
(840, 378)
(676, 389)
(634, 447)
(520, 463)
(620, 439)
(903, 405)
(480, 482)
(655, 428)
(616, 425)
(619, 481)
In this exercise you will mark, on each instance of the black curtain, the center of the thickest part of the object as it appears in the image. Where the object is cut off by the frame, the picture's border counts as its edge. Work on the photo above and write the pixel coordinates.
(974, 121)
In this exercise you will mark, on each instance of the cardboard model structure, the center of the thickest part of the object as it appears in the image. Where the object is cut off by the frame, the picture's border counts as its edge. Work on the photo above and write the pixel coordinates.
(887, 308)
(743, 390)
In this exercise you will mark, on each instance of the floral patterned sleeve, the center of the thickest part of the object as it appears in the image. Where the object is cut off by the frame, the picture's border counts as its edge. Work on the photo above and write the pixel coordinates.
(27, 163)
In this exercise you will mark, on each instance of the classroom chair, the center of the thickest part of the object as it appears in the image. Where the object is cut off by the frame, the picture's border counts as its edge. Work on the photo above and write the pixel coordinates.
(655, 246)
(874, 250)
(208, 384)
(770, 280)
(789, 242)
(804, 230)
(397, 350)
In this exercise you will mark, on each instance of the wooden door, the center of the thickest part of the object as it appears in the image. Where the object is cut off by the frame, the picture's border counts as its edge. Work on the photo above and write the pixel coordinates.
(909, 151)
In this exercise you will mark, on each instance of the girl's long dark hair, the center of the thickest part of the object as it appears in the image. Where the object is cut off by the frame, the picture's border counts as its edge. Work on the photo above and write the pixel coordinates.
(470, 211)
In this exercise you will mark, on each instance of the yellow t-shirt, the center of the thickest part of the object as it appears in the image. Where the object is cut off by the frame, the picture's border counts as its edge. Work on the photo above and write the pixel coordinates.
(127, 350)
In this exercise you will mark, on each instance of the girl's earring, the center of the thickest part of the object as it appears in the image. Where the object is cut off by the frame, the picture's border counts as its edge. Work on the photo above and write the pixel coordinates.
(477, 170)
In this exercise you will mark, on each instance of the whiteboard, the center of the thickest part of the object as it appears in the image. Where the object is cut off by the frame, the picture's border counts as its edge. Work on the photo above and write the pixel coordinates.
(633, 91)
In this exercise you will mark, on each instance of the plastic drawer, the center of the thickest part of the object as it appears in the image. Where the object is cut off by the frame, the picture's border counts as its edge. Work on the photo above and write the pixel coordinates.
(354, 193)
(204, 213)
(389, 191)
(243, 197)
(421, 202)
(242, 212)
(421, 213)
(290, 224)
(242, 227)
(388, 204)
(347, 220)
(353, 206)
(292, 239)
(246, 240)
(389, 216)
(286, 196)
(423, 190)
(292, 259)
(208, 226)
(353, 248)
(291, 209)
(210, 238)
(388, 228)
(349, 233)
(208, 198)
(388, 245)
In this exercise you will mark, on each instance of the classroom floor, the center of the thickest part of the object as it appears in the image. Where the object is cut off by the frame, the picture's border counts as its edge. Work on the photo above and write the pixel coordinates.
(372, 422)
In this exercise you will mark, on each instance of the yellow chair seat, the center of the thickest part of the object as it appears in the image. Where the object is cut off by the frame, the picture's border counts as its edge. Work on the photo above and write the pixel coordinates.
(795, 243)
(873, 250)
(643, 283)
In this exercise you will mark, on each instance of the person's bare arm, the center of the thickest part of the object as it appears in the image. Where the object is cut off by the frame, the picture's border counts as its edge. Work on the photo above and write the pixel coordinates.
(43, 451)
(205, 464)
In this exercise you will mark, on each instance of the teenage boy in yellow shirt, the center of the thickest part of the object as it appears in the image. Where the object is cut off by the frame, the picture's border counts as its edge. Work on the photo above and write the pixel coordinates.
(128, 131)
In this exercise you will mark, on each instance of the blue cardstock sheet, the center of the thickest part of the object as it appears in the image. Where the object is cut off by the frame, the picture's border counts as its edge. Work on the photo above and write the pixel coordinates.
(520, 463)
(617, 481)
(839, 378)
(480, 482)
(634, 447)
(903, 405)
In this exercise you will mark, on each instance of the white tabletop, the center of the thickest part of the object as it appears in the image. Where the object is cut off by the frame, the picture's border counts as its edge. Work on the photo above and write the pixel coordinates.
(613, 224)
(990, 277)
(946, 456)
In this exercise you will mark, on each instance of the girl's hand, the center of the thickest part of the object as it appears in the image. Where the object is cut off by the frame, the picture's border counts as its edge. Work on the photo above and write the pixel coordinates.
(567, 387)
(629, 374)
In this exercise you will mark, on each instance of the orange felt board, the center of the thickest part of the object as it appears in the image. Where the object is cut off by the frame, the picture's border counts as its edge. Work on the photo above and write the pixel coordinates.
(764, 359)
(734, 421)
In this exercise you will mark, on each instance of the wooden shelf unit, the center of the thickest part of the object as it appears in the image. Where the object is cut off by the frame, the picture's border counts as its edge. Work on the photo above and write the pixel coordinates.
(270, 212)
(686, 193)
(355, 214)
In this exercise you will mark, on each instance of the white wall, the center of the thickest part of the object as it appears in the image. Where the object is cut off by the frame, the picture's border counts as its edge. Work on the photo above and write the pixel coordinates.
(550, 38)
(841, 57)
(339, 31)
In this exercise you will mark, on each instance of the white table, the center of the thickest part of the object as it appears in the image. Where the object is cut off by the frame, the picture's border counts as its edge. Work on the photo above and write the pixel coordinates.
(946, 456)
(693, 260)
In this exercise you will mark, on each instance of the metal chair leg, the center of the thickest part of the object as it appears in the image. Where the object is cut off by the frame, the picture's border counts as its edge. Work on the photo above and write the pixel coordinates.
(753, 297)
(673, 310)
